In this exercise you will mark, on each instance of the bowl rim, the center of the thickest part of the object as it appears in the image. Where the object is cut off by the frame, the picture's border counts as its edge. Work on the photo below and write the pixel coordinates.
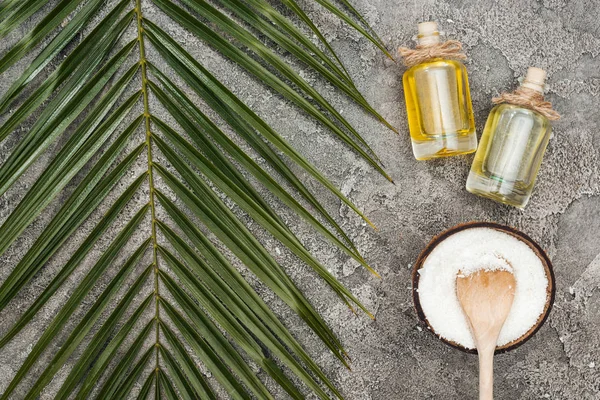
(437, 239)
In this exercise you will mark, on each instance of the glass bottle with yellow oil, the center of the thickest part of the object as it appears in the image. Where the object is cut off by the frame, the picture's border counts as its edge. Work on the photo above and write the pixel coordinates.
(438, 102)
(512, 146)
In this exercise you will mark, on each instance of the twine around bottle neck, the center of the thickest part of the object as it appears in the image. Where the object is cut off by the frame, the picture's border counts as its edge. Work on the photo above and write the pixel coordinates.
(450, 49)
(531, 99)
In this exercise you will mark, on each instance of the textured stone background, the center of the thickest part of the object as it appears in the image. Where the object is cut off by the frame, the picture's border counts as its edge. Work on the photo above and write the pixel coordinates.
(393, 358)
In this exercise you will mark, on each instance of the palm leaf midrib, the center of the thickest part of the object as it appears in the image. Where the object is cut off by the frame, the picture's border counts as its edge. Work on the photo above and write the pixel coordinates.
(144, 83)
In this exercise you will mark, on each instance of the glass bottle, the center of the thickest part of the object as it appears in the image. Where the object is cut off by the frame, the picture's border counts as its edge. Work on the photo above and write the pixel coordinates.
(510, 153)
(438, 104)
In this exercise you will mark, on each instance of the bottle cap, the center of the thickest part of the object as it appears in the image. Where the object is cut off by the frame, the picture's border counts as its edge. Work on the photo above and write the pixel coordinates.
(535, 79)
(428, 33)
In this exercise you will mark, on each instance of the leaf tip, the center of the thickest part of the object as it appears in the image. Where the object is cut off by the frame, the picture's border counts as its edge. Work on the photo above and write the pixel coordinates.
(375, 273)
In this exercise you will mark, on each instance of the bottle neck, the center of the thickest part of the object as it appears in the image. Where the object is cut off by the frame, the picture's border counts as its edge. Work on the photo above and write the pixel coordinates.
(535, 80)
(428, 39)
(428, 34)
(536, 86)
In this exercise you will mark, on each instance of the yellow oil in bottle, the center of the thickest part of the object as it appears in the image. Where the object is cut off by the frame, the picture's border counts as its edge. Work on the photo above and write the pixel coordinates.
(438, 104)
(510, 155)
(511, 150)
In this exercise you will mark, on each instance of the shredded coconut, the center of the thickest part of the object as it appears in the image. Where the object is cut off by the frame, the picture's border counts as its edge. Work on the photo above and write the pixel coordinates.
(466, 252)
(487, 261)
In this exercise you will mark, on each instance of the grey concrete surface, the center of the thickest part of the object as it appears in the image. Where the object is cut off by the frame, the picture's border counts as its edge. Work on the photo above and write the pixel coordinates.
(392, 356)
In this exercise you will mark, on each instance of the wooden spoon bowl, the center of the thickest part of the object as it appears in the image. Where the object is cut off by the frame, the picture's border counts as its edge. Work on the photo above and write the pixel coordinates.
(550, 290)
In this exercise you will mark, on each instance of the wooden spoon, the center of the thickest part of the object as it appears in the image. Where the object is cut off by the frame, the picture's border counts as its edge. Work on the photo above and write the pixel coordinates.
(486, 298)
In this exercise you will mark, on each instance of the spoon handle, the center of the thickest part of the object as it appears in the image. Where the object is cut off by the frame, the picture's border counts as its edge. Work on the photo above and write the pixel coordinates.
(486, 373)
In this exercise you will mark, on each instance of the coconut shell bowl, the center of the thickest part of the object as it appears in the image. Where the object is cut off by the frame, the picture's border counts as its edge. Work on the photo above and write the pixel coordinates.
(550, 291)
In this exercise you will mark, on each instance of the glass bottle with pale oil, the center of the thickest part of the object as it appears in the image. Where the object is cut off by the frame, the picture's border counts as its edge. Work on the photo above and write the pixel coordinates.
(512, 146)
(438, 103)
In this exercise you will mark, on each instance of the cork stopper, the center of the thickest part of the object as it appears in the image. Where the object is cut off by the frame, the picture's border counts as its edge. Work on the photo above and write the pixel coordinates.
(428, 33)
(535, 79)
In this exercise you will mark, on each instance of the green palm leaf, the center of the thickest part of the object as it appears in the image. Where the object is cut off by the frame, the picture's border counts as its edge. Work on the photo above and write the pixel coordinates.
(160, 197)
